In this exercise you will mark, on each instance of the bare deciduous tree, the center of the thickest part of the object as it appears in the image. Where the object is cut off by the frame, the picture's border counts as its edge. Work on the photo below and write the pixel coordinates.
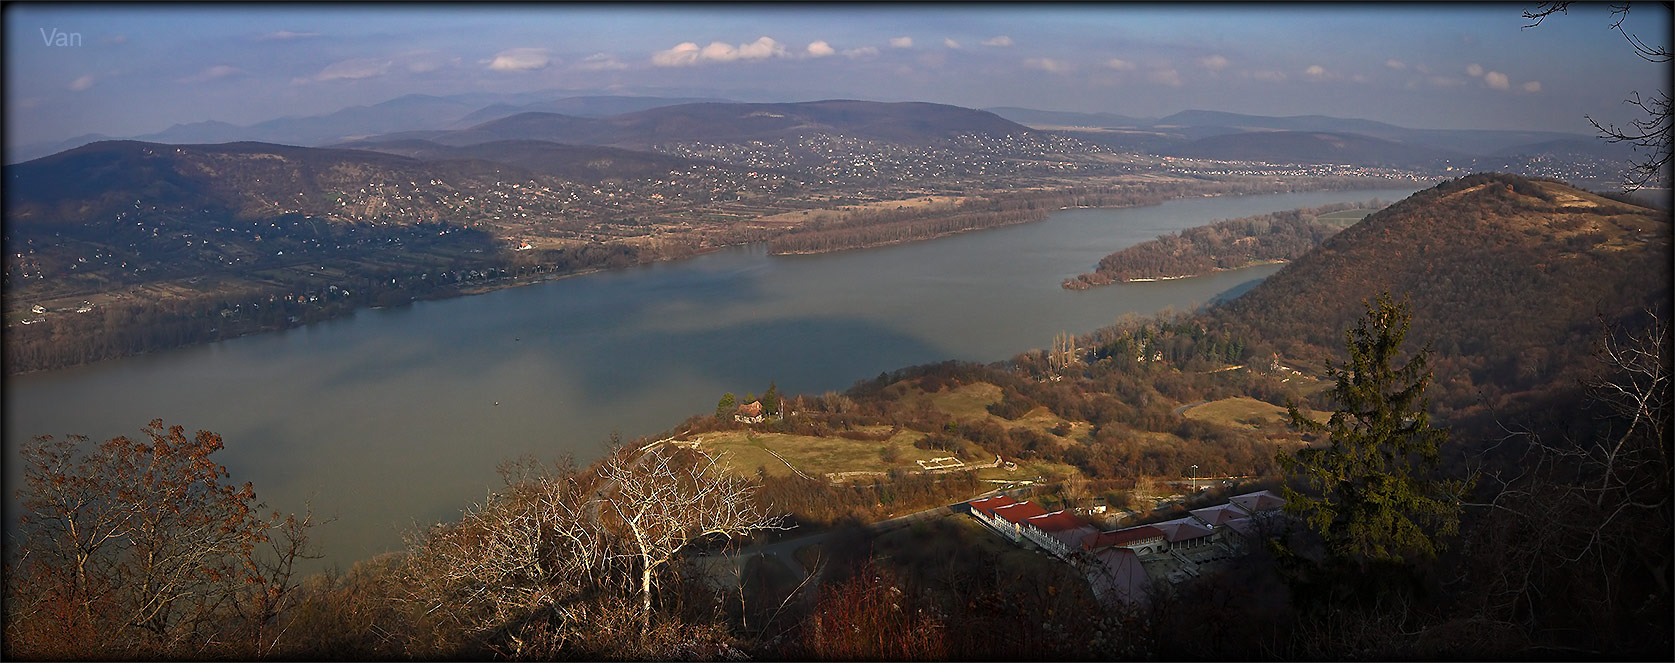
(663, 501)
(1651, 131)
(1575, 532)
(141, 545)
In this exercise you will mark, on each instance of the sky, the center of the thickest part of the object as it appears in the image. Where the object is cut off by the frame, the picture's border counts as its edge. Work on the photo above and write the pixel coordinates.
(125, 70)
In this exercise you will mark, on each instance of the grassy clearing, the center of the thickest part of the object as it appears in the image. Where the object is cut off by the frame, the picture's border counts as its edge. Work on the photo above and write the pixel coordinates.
(1345, 218)
(971, 401)
(1245, 413)
(745, 451)
(1028, 470)
(1239, 412)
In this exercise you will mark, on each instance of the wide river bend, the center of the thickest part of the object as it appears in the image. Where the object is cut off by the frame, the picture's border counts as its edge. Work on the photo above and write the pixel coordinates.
(393, 418)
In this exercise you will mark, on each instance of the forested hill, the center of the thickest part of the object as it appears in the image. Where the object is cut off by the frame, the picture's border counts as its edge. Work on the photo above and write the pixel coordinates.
(1231, 244)
(1509, 280)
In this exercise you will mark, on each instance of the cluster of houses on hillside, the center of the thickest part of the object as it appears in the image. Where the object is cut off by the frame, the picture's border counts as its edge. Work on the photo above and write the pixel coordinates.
(1121, 564)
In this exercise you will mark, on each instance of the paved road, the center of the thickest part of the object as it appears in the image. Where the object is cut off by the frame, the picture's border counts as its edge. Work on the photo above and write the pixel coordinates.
(1182, 409)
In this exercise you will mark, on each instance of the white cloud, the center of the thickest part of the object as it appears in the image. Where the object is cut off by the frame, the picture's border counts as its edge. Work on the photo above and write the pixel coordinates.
(689, 53)
(520, 59)
(1166, 76)
(1532, 86)
(82, 83)
(998, 41)
(1446, 81)
(1119, 64)
(1395, 64)
(1497, 80)
(1315, 72)
(682, 54)
(286, 35)
(863, 51)
(1269, 76)
(1213, 63)
(1474, 69)
(1048, 65)
(901, 42)
(820, 49)
(212, 73)
(950, 43)
(601, 62)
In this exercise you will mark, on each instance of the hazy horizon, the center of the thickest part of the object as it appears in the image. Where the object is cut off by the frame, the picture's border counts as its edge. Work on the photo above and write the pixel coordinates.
(136, 70)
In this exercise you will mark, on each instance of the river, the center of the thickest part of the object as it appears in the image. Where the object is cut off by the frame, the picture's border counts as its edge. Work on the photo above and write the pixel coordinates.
(394, 418)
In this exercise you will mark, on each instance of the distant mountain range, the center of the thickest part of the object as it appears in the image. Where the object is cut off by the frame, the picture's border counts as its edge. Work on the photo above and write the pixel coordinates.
(908, 122)
(639, 122)
(407, 113)
(1176, 134)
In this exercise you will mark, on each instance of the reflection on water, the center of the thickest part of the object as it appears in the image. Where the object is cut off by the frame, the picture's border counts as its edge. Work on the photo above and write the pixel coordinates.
(397, 417)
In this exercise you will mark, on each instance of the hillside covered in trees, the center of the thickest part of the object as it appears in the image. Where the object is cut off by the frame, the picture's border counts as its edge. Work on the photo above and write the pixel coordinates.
(1511, 279)
(1230, 244)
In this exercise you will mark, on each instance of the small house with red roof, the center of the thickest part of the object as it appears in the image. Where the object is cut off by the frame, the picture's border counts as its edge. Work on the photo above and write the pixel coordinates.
(750, 413)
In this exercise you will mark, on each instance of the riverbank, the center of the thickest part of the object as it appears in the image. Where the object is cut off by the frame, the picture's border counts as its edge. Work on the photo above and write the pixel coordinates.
(190, 328)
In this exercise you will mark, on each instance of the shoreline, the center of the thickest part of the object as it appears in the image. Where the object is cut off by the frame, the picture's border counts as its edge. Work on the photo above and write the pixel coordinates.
(516, 281)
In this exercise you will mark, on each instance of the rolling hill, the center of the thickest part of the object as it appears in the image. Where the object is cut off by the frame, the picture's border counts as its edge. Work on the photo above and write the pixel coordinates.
(908, 122)
(95, 182)
(1509, 280)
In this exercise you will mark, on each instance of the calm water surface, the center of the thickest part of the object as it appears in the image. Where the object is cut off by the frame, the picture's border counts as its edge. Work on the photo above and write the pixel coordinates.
(397, 417)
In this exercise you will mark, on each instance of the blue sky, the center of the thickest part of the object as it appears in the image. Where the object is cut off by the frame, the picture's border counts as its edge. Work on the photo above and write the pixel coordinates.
(141, 69)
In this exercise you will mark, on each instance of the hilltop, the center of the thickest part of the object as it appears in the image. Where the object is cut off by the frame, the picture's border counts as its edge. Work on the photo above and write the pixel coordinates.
(1509, 279)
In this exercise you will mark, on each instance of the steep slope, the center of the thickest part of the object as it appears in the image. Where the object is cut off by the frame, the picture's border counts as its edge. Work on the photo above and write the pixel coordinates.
(1509, 280)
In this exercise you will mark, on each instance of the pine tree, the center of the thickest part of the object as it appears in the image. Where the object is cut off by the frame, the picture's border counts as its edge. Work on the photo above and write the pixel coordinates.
(728, 402)
(1370, 493)
(770, 399)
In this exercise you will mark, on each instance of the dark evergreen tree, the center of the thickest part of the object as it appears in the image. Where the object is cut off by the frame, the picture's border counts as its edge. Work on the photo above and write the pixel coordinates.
(1370, 493)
